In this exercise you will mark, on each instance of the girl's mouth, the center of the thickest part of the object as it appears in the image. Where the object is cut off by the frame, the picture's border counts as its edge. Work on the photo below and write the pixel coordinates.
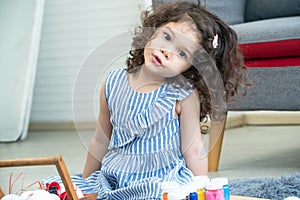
(156, 60)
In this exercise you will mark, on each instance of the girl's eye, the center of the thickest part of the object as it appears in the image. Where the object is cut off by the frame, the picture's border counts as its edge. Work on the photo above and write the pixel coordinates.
(167, 36)
(182, 54)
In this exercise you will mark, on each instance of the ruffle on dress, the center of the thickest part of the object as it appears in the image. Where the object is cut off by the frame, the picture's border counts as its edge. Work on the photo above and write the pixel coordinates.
(150, 121)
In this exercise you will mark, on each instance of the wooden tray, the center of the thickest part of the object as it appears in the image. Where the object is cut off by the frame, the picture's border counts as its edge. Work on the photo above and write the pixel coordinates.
(64, 174)
(60, 166)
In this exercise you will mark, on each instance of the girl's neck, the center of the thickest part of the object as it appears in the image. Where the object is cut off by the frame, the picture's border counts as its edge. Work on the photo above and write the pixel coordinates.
(143, 81)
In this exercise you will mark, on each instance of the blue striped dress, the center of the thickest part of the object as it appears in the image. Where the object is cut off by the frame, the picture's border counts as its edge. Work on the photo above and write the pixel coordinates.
(145, 144)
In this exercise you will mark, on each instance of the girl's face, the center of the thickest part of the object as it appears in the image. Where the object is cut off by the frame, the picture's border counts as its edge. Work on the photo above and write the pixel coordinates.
(170, 50)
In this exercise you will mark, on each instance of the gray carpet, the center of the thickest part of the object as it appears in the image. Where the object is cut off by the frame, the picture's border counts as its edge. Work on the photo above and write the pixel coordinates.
(269, 188)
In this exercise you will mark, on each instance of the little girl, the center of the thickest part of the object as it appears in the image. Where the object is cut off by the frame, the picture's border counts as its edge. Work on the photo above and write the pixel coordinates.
(184, 65)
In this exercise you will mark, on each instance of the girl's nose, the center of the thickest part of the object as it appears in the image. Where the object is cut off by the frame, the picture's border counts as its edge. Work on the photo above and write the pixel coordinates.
(166, 53)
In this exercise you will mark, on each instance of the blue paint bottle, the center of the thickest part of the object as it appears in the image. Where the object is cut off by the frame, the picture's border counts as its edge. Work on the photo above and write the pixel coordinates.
(193, 196)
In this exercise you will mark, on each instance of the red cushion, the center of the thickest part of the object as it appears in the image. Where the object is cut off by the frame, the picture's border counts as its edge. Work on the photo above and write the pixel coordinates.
(274, 49)
(276, 62)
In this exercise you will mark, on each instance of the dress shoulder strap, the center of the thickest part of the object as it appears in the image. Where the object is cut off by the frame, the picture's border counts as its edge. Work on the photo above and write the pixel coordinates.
(112, 80)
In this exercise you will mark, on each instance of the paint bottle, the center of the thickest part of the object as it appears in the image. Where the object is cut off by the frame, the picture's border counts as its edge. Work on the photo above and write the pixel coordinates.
(200, 183)
(214, 191)
(201, 194)
(193, 196)
(165, 196)
(224, 182)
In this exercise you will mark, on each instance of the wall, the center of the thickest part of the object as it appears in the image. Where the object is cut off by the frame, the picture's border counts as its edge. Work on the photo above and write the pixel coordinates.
(72, 30)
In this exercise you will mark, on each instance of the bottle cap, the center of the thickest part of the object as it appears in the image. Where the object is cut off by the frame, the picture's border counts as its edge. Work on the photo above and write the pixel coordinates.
(201, 178)
(222, 180)
(214, 186)
(176, 195)
(200, 181)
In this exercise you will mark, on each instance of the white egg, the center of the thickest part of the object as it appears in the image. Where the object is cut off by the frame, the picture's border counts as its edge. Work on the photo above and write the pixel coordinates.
(54, 197)
(38, 195)
(11, 197)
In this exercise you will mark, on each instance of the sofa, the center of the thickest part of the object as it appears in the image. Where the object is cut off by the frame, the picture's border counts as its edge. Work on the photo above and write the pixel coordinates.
(269, 37)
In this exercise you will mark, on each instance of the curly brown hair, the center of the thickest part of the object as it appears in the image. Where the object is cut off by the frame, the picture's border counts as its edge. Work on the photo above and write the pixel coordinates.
(215, 88)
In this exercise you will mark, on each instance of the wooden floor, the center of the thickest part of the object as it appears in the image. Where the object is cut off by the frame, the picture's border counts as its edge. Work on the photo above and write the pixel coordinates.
(248, 152)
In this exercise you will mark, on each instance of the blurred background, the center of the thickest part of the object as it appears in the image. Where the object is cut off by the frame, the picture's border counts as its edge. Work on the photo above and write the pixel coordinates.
(50, 52)
(44, 45)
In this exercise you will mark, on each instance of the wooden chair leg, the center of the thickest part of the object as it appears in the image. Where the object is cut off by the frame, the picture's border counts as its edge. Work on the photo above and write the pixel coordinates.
(215, 143)
(1, 193)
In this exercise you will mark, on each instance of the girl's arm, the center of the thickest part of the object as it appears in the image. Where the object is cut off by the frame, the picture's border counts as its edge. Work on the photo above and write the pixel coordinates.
(192, 146)
(100, 140)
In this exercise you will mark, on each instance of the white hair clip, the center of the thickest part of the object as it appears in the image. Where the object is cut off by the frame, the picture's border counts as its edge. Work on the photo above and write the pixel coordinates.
(215, 41)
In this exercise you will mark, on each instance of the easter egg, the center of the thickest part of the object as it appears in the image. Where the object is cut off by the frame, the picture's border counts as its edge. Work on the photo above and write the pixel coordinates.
(38, 195)
(11, 197)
